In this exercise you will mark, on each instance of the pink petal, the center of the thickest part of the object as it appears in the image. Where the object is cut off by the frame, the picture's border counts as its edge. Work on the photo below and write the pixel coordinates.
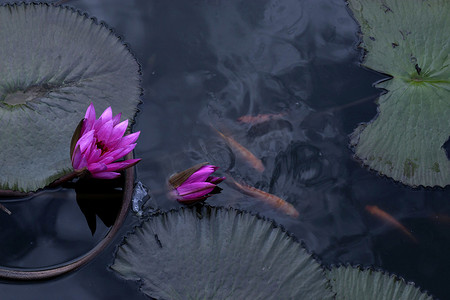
(116, 154)
(128, 139)
(116, 119)
(118, 166)
(106, 115)
(85, 140)
(83, 163)
(109, 157)
(106, 175)
(97, 167)
(104, 132)
(94, 154)
(120, 141)
(201, 174)
(215, 180)
(125, 151)
(90, 112)
(89, 119)
(112, 144)
(76, 159)
(119, 130)
(195, 190)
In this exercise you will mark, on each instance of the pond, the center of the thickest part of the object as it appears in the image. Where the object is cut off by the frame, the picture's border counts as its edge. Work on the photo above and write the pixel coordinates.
(294, 65)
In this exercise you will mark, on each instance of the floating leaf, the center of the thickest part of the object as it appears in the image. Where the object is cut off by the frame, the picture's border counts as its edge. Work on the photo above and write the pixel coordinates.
(353, 283)
(214, 253)
(55, 61)
(409, 41)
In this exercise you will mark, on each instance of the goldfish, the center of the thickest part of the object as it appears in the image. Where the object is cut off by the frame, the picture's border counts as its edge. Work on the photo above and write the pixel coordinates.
(259, 118)
(268, 198)
(249, 157)
(381, 214)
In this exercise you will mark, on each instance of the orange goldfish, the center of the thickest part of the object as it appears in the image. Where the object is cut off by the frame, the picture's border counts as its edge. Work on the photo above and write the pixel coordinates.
(381, 214)
(270, 199)
(259, 118)
(251, 159)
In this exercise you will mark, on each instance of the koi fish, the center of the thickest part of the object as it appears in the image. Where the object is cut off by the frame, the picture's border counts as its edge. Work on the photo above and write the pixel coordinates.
(270, 199)
(381, 214)
(251, 159)
(259, 118)
(5, 209)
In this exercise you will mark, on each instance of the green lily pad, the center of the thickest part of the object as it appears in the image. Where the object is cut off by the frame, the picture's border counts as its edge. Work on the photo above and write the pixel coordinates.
(216, 253)
(407, 40)
(354, 283)
(55, 61)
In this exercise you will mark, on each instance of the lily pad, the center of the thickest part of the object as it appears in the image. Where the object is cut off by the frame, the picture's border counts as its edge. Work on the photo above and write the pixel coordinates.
(55, 61)
(217, 253)
(407, 40)
(354, 283)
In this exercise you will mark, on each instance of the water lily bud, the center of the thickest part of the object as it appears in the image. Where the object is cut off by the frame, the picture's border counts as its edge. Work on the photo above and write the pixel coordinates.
(194, 184)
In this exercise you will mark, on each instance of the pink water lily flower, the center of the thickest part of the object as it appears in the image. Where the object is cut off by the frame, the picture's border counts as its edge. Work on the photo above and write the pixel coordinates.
(101, 143)
(194, 184)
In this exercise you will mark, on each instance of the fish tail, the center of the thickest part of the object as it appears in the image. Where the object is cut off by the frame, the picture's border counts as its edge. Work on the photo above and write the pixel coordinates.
(378, 212)
(268, 198)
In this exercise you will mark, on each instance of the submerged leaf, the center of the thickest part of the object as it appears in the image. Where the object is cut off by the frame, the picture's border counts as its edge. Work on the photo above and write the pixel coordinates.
(213, 253)
(353, 283)
(50, 73)
(407, 40)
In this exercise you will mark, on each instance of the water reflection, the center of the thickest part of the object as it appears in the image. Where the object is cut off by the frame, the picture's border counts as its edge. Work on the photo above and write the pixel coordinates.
(102, 198)
(301, 164)
(45, 230)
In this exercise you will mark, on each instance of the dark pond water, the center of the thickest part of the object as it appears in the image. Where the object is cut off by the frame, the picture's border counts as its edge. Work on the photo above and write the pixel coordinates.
(211, 62)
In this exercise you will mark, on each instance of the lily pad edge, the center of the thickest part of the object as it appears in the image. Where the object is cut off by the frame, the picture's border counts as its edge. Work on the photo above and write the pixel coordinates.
(210, 208)
(373, 269)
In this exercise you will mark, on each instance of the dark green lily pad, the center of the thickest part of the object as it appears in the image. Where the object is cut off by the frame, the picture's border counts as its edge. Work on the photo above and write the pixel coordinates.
(407, 40)
(354, 283)
(55, 61)
(216, 253)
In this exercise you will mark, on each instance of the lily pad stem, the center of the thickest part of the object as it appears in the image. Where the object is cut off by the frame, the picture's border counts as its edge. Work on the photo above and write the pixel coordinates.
(74, 174)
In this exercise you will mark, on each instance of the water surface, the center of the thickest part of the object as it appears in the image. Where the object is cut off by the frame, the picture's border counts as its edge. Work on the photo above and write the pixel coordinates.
(207, 63)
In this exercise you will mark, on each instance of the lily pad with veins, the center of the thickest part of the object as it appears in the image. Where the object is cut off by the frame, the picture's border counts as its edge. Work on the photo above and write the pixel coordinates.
(356, 283)
(408, 40)
(217, 253)
(54, 62)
